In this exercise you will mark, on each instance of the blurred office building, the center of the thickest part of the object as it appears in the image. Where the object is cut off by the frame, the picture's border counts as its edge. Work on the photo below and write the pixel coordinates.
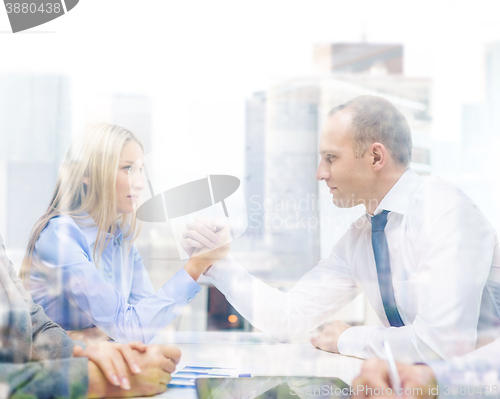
(299, 222)
(255, 127)
(35, 128)
(478, 168)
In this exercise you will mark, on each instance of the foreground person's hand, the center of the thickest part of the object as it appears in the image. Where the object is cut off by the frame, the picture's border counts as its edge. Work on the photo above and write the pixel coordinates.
(417, 381)
(328, 339)
(116, 361)
(156, 363)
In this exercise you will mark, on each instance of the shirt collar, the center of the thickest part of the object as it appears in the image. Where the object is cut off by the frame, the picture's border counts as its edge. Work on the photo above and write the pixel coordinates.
(399, 196)
(90, 228)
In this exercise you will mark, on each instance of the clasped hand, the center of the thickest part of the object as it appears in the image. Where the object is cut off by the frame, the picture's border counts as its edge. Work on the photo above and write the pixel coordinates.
(135, 367)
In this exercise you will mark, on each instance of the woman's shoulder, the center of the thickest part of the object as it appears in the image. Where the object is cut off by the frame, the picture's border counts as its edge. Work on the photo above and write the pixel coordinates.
(61, 237)
(63, 225)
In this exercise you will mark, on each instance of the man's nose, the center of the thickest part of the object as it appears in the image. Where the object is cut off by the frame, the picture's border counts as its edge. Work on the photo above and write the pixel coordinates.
(322, 173)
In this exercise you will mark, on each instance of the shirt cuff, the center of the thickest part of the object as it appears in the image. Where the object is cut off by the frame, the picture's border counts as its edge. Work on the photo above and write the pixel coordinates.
(353, 340)
(226, 273)
(182, 288)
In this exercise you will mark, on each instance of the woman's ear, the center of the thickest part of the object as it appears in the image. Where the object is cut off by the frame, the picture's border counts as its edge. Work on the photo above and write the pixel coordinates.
(85, 180)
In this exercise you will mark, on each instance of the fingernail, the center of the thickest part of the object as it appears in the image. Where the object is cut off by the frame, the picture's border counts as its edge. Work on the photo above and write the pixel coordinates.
(216, 239)
(211, 245)
(116, 381)
(125, 383)
(136, 368)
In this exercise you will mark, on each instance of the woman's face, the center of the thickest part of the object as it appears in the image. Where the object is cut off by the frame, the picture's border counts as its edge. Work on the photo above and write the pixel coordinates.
(129, 181)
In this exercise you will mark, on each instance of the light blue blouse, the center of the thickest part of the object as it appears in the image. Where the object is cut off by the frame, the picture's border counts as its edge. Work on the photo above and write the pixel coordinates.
(117, 296)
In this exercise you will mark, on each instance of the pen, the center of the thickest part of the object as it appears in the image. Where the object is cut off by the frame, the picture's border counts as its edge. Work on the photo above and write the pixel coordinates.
(393, 370)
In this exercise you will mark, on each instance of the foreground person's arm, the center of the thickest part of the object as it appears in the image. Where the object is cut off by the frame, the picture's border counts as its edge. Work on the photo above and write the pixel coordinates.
(78, 377)
(88, 335)
(59, 378)
(474, 375)
(479, 369)
(49, 341)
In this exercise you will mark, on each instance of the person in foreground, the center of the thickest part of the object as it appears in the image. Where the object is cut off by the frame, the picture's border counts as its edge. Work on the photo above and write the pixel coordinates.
(39, 360)
(423, 253)
(474, 375)
(82, 265)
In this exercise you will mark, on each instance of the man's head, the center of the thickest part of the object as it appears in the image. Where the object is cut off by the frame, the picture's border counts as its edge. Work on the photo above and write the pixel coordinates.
(365, 147)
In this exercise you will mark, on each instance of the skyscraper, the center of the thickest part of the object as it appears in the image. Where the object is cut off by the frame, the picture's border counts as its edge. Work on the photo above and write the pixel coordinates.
(477, 168)
(35, 123)
(356, 58)
(300, 222)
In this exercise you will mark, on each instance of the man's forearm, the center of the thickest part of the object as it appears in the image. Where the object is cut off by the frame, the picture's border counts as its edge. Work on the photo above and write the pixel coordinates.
(283, 315)
(366, 342)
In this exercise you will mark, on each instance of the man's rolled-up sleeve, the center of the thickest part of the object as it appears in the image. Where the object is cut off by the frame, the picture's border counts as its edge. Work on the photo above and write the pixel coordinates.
(284, 315)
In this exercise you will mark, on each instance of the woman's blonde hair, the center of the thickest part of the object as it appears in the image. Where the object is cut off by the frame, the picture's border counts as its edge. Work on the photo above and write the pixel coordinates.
(95, 156)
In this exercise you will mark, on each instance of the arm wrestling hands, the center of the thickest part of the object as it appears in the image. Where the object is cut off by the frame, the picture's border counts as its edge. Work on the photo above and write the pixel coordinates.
(118, 370)
(417, 381)
(206, 241)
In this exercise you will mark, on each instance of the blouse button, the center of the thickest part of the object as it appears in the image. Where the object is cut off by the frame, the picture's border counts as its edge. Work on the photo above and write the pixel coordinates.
(109, 274)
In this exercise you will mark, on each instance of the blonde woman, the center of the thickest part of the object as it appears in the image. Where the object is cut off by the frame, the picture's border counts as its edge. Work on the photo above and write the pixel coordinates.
(81, 264)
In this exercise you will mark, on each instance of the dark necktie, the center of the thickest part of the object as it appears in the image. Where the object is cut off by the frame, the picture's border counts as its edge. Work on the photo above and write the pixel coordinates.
(381, 252)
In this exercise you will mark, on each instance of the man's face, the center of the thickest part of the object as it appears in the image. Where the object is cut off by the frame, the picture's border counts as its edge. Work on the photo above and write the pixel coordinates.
(349, 178)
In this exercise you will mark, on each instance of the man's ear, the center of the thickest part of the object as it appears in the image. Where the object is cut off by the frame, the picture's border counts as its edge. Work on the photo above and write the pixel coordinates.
(379, 154)
(85, 180)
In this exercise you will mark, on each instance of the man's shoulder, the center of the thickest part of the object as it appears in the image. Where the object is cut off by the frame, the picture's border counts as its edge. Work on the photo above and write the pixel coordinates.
(436, 197)
(433, 187)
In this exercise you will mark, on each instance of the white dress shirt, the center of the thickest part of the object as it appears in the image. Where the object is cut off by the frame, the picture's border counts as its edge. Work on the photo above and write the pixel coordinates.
(442, 254)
